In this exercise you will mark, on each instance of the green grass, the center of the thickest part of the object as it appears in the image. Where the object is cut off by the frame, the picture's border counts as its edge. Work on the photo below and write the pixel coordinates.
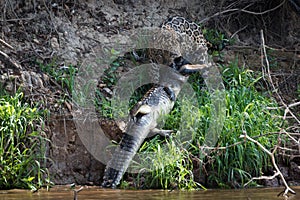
(230, 166)
(64, 76)
(246, 110)
(22, 145)
(171, 171)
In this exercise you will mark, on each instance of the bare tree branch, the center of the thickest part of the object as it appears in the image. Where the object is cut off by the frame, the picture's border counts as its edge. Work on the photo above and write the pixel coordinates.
(8, 61)
(267, 73)
(277, 172)
(242, 10)
(6, 44)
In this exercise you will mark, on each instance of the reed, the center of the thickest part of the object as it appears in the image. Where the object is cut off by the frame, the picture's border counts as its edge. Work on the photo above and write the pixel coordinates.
(22, 145)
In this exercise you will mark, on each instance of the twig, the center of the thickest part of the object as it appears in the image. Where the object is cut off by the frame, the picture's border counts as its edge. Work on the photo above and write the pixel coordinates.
(277, 172)
(76, 192)
(266, 72)
(6, 44)
(238, 31)
(292, 138)
(8, 61)
(17, 19)
(296, 6)
(289, 106)
(242, 10)
(236, 143)
(294, 104)
(287, 149)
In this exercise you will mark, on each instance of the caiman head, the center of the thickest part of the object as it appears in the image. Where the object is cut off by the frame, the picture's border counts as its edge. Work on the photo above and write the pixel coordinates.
(185, 68)
(193, 56)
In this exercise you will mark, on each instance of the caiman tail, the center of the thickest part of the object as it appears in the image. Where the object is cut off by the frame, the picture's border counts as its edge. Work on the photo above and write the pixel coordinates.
(121, 160)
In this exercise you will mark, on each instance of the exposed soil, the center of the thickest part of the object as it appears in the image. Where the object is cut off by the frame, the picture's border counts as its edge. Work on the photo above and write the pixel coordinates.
(67, 32)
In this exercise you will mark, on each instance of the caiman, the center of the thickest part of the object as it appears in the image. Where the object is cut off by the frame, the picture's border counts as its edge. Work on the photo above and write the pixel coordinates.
(158, 101)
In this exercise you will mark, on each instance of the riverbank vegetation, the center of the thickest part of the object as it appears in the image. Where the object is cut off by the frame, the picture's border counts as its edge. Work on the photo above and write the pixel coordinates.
(171, 163)
(232, 161)
(44, 45)
(174, 164)
(22, 144)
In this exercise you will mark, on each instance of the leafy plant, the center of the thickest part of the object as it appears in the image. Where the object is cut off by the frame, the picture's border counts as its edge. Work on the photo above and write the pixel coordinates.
(103, 106)
(64, 75)
(216, 40)
(22, 145)
(110, 76)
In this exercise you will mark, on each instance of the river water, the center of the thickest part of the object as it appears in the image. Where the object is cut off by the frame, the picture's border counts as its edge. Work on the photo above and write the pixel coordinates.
(63, 193)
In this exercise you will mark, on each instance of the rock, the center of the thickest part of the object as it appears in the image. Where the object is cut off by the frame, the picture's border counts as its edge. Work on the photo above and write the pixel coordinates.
(294, 171)
(54, 43)
(9, 87)
(108, 91)
(36, 41)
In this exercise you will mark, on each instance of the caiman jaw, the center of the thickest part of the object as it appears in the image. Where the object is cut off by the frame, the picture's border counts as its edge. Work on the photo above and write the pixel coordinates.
(189, 68)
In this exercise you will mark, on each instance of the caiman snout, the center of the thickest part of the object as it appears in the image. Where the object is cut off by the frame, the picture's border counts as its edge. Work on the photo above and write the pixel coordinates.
(190, 69)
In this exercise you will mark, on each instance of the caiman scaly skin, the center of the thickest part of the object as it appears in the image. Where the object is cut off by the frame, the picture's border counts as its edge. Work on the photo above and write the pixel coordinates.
(158, 101)
(142, 122)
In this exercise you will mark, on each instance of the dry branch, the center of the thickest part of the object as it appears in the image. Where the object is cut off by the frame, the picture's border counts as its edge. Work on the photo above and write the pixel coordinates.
(267, 76)
(267, 73)
(277, 172)
(242, 10)
(8, 61)
(6, 44)
(76, 192)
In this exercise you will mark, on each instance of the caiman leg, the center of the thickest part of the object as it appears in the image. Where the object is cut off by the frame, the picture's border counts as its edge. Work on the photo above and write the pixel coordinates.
(171, 93)
(156, 131)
